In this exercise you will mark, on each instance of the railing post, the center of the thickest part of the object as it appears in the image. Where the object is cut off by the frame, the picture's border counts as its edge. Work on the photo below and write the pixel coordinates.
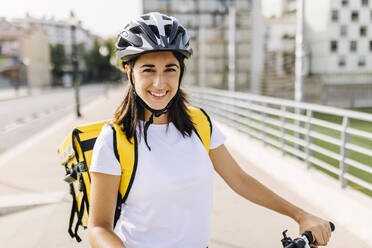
(309, 115)
(249, 120)
(240, 117)
(230, 106)
(283, 121)
(233, 111)
(264, 115)
(299, 112)
(344, 151)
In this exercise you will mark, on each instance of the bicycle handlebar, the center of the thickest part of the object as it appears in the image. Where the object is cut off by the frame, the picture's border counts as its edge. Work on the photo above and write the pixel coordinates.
(310, 237)
(302, 242)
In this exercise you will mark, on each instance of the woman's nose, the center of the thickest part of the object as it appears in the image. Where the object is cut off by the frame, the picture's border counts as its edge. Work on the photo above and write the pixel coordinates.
(158, 80)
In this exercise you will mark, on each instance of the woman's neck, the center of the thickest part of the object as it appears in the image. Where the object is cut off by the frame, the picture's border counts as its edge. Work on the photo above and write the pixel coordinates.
(163, 119)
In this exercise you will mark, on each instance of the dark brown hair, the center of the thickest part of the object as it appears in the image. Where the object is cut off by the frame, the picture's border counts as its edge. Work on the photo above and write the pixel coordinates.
(129, 112)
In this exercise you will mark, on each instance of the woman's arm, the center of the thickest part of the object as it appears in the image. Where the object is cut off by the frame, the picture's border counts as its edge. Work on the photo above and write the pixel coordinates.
(103, 197)
(254, 191)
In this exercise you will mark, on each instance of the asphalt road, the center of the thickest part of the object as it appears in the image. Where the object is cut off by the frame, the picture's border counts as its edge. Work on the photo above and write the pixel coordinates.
(21, 118)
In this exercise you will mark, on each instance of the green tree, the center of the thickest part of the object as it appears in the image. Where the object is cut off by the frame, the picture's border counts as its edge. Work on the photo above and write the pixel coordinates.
(59, 60)
(98, 63)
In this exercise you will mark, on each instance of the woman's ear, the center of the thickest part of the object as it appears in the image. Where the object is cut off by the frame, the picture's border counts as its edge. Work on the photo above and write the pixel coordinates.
(127, 69)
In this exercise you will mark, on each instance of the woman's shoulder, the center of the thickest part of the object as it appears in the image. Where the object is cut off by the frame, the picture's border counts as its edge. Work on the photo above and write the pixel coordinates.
(194, 110)
(106, 133)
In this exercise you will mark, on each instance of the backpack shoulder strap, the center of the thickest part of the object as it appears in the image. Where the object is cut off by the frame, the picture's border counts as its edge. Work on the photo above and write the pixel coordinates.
(127, 154)
(203, 125)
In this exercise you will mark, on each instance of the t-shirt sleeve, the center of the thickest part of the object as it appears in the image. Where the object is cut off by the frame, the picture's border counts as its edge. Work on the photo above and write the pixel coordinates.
(103, 157)
(217, 137)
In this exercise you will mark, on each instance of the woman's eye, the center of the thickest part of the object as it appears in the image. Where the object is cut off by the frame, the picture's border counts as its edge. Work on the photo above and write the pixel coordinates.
(170, 69)
(148, 70)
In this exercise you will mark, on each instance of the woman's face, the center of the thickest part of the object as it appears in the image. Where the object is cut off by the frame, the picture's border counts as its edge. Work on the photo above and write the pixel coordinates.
(155, 77)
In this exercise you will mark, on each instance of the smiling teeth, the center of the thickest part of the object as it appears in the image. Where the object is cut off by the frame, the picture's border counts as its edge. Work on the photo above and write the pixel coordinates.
(155, 94)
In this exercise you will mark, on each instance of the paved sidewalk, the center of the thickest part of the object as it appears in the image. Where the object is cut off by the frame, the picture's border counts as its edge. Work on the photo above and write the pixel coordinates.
(32, 172)
(11, 93)
(33, 168)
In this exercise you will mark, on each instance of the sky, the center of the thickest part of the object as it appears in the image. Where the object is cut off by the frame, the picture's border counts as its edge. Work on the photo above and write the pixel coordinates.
(105, 18)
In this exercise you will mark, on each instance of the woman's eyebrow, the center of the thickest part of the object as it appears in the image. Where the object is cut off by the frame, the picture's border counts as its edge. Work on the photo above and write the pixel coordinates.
(147, 65)
(170, 65)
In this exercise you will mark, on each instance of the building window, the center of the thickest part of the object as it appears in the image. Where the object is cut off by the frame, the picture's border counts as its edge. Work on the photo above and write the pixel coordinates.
(343, 30)
(364, 2)
(363, 31)
(342, 61)
(354, 16)
(361, 61)
(334, 46)
(335, 15)
(345, 2)
(353, 46)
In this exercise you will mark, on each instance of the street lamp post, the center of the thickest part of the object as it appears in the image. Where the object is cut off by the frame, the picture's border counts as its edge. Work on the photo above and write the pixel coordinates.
(75, 63)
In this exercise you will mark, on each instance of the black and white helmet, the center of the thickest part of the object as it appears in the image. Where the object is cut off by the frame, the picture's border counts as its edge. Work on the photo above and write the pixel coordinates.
(152, 32)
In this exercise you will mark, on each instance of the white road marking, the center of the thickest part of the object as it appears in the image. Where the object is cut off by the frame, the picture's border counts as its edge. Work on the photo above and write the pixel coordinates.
(19, 149)
(20, 122)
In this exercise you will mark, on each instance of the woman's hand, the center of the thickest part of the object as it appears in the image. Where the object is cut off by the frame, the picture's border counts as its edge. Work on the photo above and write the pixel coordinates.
(320, 228)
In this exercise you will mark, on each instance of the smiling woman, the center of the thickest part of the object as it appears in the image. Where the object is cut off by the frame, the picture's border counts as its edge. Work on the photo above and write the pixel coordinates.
(171, 182)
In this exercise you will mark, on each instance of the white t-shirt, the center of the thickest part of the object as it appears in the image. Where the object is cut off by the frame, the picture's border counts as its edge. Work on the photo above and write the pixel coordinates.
(170, 202)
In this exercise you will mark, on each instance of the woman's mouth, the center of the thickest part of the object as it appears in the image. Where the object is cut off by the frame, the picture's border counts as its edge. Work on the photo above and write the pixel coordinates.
(158, 95)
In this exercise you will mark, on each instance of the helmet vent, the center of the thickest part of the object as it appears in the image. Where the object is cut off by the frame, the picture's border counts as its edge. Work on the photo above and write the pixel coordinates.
(166, 18)
(155, 30)
(168, 29)
(145, 17)
(181, 30)
(123, 43)
(136, 30)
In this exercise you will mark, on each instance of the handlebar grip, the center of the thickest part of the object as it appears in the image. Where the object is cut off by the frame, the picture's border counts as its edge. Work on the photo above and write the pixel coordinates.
(332, 226)
(310, 237)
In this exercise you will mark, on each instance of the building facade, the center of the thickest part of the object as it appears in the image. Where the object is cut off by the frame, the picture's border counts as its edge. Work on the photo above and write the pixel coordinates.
(24, 55)
(208, 24)
(279, 75)
(338, 36)
(59, 32)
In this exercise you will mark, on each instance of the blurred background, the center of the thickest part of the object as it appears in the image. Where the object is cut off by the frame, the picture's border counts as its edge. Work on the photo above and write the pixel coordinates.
(243, 45)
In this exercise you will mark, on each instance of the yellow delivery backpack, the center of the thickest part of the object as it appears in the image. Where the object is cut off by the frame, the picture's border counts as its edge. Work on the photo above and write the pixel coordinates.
(76, 152)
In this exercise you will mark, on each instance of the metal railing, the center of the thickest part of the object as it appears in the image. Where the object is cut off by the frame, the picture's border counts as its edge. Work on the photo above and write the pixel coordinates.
(276, 122)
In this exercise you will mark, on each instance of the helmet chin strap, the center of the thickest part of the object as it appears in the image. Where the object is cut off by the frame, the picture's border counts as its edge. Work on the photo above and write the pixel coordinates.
(155, 112)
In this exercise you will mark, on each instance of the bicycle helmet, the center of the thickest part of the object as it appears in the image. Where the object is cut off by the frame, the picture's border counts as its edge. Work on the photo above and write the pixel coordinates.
(152, 32)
